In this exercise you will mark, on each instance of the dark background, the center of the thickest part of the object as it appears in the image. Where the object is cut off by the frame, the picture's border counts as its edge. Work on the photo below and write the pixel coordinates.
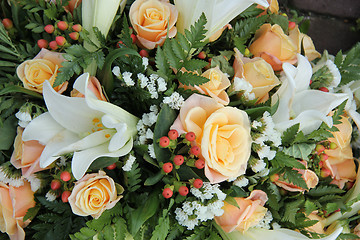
(334, 24)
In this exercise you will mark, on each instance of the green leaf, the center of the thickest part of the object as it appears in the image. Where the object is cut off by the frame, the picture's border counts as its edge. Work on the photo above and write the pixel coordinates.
(183, 42)
(289, 134)
(252, 11)
(321, 190)
(161, 62)
(120, 228)
(170, 55)
(194, 64)
(177, 49)
(283, 160)
(8, 133)
(102, 162)
(232, 201)
(133, 177)
(152, 180)
(294, 177)
(291, 210)
(309, 207)
(164, 121)
(188, 78)
(31, 213)
(280, 20)
(246, 28)
(197, 32)
(301, 151)
(19, 89)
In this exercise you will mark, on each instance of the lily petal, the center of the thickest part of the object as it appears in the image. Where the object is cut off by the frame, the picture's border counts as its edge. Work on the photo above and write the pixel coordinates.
(303, 74)
(71, 113)
(82, 160)
(43, 129)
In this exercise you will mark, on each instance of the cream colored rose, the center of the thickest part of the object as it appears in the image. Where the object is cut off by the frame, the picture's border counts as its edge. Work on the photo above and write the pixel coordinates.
(274, 46)
(251, 210)
(152, 20)
(223, 134)
(258, 73)
(14, 203)
(45, 66)
(214, 88)
(93, 194)
(26, 155)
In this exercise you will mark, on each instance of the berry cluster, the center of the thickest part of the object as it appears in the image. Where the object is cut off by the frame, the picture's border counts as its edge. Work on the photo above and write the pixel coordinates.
(184, 143)
(60, 185)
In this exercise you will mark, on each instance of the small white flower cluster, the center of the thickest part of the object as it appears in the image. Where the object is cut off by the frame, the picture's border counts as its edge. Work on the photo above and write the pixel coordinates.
(126, 76)
(175, 101)
(35, 182)
(241, 181)
(240, 84)
(145, 62)
(143, 128)
(129, 162)
(269, 134)
(265, 222)
(334, 72)
(192, 213)
(11, 180)
(259, 166)
(24, 118)
(150, 84)
(50, 196)
(61, 162)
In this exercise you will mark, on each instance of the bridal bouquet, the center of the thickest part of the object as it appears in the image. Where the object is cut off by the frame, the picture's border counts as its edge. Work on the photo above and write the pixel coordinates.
(183, 119)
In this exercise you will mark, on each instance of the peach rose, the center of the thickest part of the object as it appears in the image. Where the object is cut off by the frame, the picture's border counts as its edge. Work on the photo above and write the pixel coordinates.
(71, 6)
(357, 230)
(223, 134)
(311, 180)
(249, 214)
(151, 20)
(214, 88)
(45, 66)
(93, 194)
(317, 227)
(340, 160)
(274, 46)
(26, 155)
(258, 73)
(94, 86)
(302, 39)
(273, 7)
(14, 203)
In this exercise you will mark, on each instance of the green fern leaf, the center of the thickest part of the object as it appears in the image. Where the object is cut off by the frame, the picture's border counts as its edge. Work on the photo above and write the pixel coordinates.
(194, 64)
(188, 78)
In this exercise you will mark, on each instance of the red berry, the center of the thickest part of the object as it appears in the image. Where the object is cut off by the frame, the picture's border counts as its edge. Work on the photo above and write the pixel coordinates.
(197, 183)
(55, 184)
(144, 53)
(178, 160)
(60, 40)
(202, 55)
(190, 136)
(8, 24)
(167, 193)
(62, 25)
(133, 36)
(200, 164)
(164, 141)
(323, 157)
(76, 27)
(324, 89)
(292, 25)
(65, 196)
(325, 172)
(321, 164)
(112, 166)
(65, 176)
(173, 134)
(74, 35)
(118, 45)
(167, 167)
(311, 81)
(53, 45)
(49, 28)
(183, 190)
(275, 177)
(195, 150)
(42, 43)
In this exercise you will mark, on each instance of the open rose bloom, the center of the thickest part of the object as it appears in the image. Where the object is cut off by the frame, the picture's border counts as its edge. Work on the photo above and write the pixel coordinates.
(223, 134)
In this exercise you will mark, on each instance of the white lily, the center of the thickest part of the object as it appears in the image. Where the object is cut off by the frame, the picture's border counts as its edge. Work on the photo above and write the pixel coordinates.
(88, 127)
(299, 104)
(282, 233)
(218, 13)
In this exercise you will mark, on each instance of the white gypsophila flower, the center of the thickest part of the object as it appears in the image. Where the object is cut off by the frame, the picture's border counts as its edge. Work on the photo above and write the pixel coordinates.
(162, 86)
(180, 215)
(35, 183)
(276, 226)
(151, 151)
(191, 223)
(249, 96)
(188, 208)
(61, 162)
(127, 79)
(145, 62)
(140, 127)
(240, 84)
(149, 134)
(270, 132)
(129, 163)
(143, 80)
(241, 181)
(258, 166)
(116, 71)
(175, 101)
(7, 179)
(50, 196)
(264, 172)
(152, 90)
(265, 221)
(154, 109)
(215, 207)
(149, 118)
(142, 139)
(256, 124)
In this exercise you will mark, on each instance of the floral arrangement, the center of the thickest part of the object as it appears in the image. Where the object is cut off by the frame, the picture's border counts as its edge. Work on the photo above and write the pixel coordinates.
(184, 119)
